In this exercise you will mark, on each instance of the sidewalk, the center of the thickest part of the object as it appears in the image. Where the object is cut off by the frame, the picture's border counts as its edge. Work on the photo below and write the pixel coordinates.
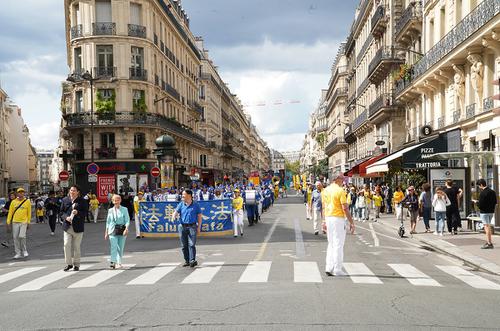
(465, 246)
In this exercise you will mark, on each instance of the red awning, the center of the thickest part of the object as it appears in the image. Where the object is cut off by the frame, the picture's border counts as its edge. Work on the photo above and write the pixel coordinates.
(362, 166)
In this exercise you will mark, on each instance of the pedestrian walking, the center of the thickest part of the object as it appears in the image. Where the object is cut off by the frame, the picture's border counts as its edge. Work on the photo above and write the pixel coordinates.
(74, 212)
(40, 212)
(440, 202)
(307, 201)
(336, 210)
(52, 208)
(378, 201)
(137, 219)
(18, 221)
(361, 206)
(189, 213)
(94, 207)
(368, 201)
(487, 205)
(411, 202)
(351, 201)
(453, 219)
(237, 213)
(316, 207)
(397, 197)
(117, 223)
(7, 235)
(425, 205)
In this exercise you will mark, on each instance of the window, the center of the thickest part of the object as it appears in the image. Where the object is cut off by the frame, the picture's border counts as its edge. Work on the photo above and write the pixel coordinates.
(106, 93)
(137, 58)
(135, 13)
(203, 160)
(105, 56)
(103, 11)
(78, 101)
(77, 18)
(139, 140)
(107, 140)
(202, 92)
(78, 59)
(79, 141)
(137, 95)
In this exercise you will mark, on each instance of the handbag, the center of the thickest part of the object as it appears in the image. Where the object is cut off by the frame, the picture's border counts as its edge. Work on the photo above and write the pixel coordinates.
(119, 228)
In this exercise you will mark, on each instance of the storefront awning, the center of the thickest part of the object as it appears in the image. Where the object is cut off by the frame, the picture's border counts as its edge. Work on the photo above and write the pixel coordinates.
(489, 156)
(363, 166)
(382, 165)
(355, 169)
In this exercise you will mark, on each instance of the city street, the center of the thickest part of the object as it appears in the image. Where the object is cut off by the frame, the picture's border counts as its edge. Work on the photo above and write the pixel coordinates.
(272, 278)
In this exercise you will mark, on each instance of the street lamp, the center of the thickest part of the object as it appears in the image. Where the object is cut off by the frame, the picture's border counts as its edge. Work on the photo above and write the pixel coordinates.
(166, 154)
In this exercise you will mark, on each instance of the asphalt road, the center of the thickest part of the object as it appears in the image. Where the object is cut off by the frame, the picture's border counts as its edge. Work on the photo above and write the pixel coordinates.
(270, 279)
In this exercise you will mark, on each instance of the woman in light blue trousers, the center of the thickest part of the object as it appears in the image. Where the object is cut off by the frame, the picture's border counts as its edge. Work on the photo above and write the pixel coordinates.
(117, 217)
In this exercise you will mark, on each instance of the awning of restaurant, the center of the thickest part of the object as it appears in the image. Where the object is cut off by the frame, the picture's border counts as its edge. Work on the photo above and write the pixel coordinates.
(382, 165)
(489, 156)
(363, 166)
(355, 169)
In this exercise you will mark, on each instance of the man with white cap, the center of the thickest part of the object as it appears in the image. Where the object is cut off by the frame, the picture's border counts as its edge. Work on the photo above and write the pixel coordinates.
(316, 206)
(335, 210)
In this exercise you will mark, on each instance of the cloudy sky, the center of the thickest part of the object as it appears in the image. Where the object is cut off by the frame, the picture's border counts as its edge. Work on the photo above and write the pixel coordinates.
(268, 51)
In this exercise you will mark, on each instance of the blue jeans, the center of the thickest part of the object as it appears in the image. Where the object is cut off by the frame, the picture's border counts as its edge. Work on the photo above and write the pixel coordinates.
(440, 217)
(426, 215)
(187, 235)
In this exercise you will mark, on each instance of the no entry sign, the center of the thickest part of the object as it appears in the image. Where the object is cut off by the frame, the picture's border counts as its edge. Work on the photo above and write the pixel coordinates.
(155, 172)
(63, 176)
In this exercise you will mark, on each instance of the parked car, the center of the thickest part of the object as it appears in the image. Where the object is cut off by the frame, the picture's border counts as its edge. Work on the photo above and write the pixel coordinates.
(3, 201)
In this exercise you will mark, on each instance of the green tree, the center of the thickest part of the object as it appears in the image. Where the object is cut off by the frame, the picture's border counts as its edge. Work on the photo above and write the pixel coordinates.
(292, 167)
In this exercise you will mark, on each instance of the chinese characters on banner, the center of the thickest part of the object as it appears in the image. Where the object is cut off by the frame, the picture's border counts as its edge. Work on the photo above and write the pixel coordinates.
(156, 218)
(105, 185)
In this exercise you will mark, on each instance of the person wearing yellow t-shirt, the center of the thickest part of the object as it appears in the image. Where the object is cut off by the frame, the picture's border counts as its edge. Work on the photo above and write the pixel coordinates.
(18, 221)
(237, 213)
(397, 197)
(377, 202)
(335, 210)
(368, 201)
(137, 200)
(94, 207)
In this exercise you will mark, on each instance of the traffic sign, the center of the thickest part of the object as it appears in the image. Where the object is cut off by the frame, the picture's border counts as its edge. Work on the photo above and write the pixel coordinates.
(92, 169)
(155, 172)
(63, 176)
(92, 179)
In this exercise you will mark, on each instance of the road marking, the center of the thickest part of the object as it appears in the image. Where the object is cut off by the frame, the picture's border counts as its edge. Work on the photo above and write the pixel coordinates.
(152, 276)
(469, 278)
(204, 274)
(413, 275)
(393, 238)
(18, 273)
(306, 272)
(100, 277)
(43, 281)
(360, 274)
(300, 250)
(256, 272)
(263, 247)
(376, 242)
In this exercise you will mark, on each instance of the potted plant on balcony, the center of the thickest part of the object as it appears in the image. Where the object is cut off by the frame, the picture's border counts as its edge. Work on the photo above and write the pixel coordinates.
(403, 73)
(105, 107)
(141, 153)
(106, 152)
(139, 109)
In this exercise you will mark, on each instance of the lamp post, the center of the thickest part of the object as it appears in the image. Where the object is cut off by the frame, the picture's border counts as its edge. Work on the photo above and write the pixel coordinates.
(166, 152)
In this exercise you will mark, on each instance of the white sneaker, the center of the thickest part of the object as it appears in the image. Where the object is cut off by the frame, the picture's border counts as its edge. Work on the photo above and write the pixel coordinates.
(441, 234)
(339, 273)
(25, 254)
(17, 256)
(435, 233)
(52, 233)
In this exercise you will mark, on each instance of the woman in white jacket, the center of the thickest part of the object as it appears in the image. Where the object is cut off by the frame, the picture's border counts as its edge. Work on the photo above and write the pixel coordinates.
(360, 206)
(439, 202)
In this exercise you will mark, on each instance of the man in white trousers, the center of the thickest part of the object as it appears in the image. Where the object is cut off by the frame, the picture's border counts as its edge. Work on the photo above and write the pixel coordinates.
(335, 211)
(316, 207)
(237, 213)
(137, 200)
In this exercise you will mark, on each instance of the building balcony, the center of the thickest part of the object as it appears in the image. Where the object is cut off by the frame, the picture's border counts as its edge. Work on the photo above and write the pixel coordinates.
(157, 80)
(138, 74)
(362, 52)
(488, 104)
(340, 92)
(360, 120)
(141, 153)
(383, 62)
(475, 20)
(382, 108)
(130, 119)
(321, 128)
(195, 106)
(155, 39)
(104, 72)
(364, 85)
(106, 153)
(410, 22)
(135, 30)
(78, 153)
(171, 91)
(76, 31)
(379, 21)
(335, 145)
(441, 123)
(104, 29)
(470, 111)
(456, 116)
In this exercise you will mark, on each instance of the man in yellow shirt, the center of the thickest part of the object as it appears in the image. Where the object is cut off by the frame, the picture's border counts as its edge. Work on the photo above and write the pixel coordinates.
(396, 199)
(237, 213)
(335, 210)
(18, 221)
(138, 199)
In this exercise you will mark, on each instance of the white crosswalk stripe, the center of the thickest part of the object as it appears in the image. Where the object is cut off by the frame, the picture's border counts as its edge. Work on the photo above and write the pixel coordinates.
(43, 281)
(413, 275)
(205, 274)
(256, 272)
(469, 278)
(18, 273)
(99, 277)
(360, 274)
(154, 275)
(306, 272)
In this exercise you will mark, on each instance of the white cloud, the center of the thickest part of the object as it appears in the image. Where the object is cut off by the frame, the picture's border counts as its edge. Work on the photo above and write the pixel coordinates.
(45, 135)
(285, 142)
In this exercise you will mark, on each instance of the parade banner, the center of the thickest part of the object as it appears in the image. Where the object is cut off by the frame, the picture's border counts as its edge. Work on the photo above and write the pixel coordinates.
(156, 218)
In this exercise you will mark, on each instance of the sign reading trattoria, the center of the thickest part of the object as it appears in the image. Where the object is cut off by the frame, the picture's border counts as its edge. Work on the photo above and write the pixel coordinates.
(420, 157)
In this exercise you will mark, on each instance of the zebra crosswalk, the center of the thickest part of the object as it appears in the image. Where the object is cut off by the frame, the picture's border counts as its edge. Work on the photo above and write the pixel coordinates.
(36, 278)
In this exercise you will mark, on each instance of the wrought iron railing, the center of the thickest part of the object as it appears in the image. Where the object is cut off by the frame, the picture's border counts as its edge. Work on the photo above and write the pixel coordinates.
(475, 20)
(104, 72)
(384, 53)
(106, 152)
(470, 111)
(157, 80)
(172, 91)
(155, 39)
(379, 14)
(130, 119)
(384, 100)
(138, 74)
(413, 133)
(135, 30)
(488, 104)
(363, 86)
(362, 118)
(362, 52)
(334, 143)
(413, 11)
(401, 85)
(76, 31)
(456, 116)
(361, 14)
(441, 122)
(103, 28)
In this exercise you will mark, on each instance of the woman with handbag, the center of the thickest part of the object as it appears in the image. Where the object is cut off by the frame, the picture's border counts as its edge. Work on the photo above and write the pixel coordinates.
(117, 224)
(411, 202)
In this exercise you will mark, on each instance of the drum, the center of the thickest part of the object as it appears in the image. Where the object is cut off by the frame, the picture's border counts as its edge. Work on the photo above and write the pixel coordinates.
(250, 197)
